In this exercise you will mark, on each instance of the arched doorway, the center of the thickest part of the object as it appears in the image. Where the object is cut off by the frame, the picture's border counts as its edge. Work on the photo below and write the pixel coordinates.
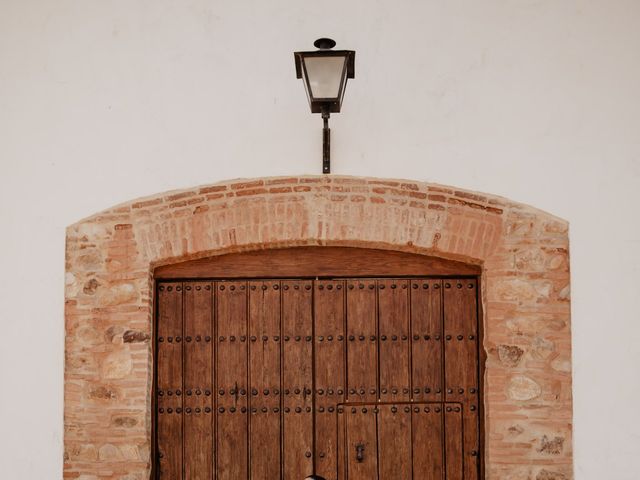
(114, 264)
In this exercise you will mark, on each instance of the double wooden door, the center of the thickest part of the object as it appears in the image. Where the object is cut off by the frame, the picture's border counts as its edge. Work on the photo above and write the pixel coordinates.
(347, 378)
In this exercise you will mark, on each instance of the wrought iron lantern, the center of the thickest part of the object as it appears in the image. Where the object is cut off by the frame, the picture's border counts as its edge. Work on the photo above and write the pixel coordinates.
(325, 73)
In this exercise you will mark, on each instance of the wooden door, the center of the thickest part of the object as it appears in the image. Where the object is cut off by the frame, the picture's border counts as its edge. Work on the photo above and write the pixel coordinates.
(347, 378)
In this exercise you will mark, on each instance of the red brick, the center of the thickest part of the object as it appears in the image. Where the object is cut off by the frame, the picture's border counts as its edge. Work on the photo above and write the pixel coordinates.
(470, 196)
(437, 198)
(280, 190)
(281, 181)
(250, 184)
(147, 203)
(212, 189)
(178, 196)
(432, 188)
(215, 196)
(386, 183)
(251, 191)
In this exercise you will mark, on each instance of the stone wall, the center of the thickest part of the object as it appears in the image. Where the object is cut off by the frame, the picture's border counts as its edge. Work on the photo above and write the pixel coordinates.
(524, 253)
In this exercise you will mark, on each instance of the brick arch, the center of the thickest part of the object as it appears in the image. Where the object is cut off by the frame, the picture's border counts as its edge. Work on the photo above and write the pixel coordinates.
(110, 259)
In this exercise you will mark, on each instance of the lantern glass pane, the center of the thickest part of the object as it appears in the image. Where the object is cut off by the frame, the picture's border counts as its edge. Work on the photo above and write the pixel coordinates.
(324, 75)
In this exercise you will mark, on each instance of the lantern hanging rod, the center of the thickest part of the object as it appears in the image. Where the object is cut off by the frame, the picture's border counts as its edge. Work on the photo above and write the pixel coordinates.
(325, 73)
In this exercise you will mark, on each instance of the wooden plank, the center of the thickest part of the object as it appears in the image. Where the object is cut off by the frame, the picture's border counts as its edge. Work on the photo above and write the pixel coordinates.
(264, 376)
(471, 429)
(198, 377)
(426, 344)
(361, 435)
(460, 330)
(461, 361)
(329, 364)
(231, 373)
(427, 441)
(170, 381)
(315, 262)
(453, 442)
(361, 341)
(393, 324)
(394, 442)
(297, 378)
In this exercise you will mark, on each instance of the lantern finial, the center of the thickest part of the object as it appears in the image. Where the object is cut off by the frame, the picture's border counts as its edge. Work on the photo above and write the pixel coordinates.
(324, 43)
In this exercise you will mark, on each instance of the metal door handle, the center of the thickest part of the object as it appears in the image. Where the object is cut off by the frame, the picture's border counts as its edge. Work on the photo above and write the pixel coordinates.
(360, 452)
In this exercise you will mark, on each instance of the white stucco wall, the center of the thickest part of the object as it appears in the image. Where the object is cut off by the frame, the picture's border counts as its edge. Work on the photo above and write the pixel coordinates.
(105, 101)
